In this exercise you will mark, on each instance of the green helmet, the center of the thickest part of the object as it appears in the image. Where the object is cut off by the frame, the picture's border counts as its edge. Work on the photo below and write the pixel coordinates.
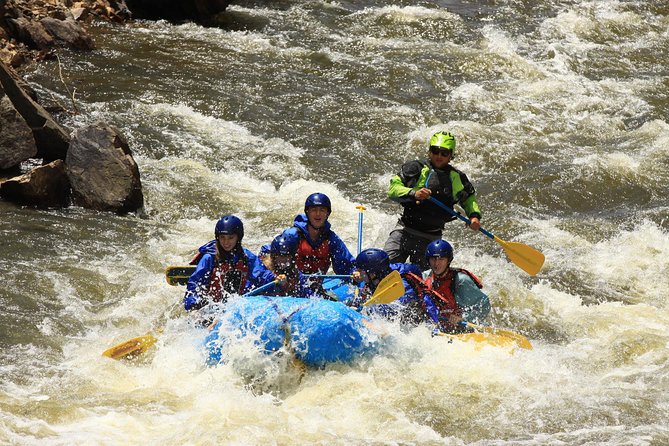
(443, 141)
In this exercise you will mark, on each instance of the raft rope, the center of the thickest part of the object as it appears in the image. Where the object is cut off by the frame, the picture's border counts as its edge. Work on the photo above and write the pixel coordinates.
(287, 337)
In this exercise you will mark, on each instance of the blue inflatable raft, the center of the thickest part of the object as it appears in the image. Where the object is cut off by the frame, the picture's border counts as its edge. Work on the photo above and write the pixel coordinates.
(316, 331)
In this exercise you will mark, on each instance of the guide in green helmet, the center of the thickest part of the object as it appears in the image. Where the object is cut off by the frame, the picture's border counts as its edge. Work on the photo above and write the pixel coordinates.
(422, 221)
(443, 141)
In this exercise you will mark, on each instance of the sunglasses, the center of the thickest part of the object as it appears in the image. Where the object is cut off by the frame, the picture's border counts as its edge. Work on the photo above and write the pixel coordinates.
(437, 151)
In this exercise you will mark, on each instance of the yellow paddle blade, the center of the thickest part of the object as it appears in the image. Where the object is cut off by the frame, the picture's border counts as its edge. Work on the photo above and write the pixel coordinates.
(131, 348)
(495, 340)
(389, 289)
(525, 257)
(519, 339)
(178, 275)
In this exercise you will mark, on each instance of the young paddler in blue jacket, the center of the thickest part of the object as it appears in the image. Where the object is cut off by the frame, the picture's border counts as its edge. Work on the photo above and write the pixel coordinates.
(281, 261)
(224, 267)
(423, 221)
(373, 265)
(451, 295)
(319, 247)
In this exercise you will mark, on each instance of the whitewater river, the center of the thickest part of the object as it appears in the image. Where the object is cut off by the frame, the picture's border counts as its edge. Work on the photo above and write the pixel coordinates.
(561, 111)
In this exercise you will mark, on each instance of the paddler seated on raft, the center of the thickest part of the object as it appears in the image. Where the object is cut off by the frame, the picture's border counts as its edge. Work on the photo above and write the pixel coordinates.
(319, 247)
(451, 295)
(373, 265)
(224, 267)
(281, 261)
(422, 221)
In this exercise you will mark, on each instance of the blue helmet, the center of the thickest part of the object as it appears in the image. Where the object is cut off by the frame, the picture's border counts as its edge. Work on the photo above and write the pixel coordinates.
(229, 224)
(439, 248)
(285, 243)
(373, 261)
(318, 199)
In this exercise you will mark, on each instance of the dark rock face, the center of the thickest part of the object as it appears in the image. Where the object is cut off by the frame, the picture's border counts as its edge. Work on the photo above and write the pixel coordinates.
(68, 31)
(177, 10)
(102, 172)
(44, 186)
(50, 138)
(16, 139)
(31, 33)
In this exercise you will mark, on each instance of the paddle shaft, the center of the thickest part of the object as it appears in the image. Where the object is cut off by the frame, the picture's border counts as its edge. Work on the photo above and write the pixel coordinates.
(139, 345)
(360, 216)
(179, 275)
(262, 288)
(458, 215)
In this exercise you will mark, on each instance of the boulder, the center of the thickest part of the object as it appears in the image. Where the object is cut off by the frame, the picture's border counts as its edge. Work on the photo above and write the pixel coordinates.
(30, 32)
(68, 32)
(51, 139)
(102, 172)
(44, 186)
(16, 139)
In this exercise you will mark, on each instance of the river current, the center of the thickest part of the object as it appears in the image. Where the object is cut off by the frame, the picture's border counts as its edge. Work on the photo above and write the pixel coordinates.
(561, 113)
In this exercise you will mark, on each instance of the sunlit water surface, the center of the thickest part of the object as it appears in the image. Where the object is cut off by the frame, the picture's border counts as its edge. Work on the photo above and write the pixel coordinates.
(561, 114)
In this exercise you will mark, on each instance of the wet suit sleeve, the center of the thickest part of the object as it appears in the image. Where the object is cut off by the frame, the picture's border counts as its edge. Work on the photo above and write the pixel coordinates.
(474, 303)
(198, 284)
(404, 185)
(465, 194)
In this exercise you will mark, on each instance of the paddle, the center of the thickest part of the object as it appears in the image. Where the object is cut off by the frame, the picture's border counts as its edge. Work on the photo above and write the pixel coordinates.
(388, 290)
(360, 209)
(136, 346)
(525, 257)
(391, 288)
(179, 275)
(519, 339)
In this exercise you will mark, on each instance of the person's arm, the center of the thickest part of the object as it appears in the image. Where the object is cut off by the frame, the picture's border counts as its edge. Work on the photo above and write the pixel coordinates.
(404, 186)
(198, 284)
(430, 308)
(473, 302)
(259, 275)
(465, 194)
(342, 259)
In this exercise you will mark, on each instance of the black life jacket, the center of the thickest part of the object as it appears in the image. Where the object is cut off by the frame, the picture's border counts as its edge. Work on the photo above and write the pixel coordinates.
(425, 216)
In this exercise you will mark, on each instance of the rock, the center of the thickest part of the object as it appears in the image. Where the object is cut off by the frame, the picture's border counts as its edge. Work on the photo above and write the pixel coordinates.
(79, 13)
(31, 33)
(51, 139)
(102, 171)
(16, 139)
(44, 186)
(177, 10)
(69, 32)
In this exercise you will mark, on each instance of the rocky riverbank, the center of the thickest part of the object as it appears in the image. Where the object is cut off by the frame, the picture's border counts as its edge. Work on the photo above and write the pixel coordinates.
(41, 164)
(30, 30)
